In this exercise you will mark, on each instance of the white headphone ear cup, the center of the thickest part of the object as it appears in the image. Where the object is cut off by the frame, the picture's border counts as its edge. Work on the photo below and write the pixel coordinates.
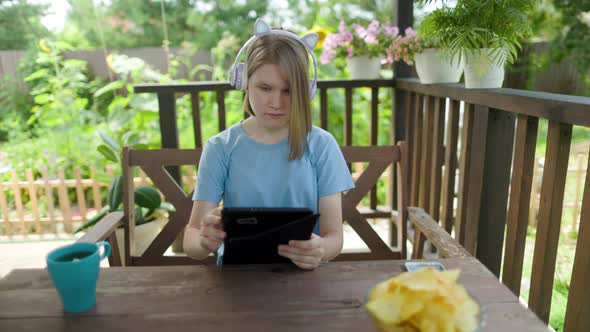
(312, 89)
(241, 76)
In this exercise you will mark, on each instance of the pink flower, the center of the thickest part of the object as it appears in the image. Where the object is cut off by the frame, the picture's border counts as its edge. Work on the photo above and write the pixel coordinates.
(347, 36)
(360, 31)
(327, 55)
(349, 49)
(342, 28)
(410, 32)
(391, 30)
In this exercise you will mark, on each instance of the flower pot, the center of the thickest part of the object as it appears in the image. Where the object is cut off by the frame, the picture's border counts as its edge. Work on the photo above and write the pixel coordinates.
(481, 72)
(434, 65)
(144, 236)
(363, 67)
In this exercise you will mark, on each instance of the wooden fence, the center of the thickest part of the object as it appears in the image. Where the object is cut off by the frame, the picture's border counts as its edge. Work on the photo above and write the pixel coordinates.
(56, 205)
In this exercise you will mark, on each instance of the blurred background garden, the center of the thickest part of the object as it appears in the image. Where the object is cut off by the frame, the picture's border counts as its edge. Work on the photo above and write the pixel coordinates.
(68, 68)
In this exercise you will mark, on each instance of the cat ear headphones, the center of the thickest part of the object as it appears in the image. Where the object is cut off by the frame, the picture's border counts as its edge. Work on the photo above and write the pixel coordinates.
(238, 77)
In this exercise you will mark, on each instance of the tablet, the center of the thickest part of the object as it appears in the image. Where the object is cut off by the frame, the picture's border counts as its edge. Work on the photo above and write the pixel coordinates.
(254, 234)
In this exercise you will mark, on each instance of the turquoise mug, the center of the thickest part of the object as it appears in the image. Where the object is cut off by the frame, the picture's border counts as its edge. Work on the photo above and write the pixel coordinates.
(74, 272)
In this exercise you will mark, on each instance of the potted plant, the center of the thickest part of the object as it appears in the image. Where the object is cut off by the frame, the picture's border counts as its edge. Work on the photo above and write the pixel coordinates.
(363, 48)
(486, 34)
(433, 63)
(150, 210)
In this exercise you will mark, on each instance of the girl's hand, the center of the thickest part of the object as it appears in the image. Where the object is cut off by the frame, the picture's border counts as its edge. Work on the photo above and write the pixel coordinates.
(306, 254)
(212, 234)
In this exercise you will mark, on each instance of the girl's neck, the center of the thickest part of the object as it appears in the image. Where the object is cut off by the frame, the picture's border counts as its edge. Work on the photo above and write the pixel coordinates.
(264, 135)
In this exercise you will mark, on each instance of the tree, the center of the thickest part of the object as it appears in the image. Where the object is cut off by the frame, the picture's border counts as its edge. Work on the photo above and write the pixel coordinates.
(21, 24)
(132, 23)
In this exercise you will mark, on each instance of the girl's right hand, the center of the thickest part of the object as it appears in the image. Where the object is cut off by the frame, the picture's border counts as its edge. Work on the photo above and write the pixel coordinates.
(212, 234)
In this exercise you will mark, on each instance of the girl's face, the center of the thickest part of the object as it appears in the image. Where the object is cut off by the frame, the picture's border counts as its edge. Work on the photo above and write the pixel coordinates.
(269, 97)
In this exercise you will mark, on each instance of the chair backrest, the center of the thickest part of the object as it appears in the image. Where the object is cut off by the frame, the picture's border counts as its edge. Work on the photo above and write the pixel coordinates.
(159, 164)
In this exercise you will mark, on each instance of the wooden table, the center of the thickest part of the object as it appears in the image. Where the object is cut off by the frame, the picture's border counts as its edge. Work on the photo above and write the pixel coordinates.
(241, 298)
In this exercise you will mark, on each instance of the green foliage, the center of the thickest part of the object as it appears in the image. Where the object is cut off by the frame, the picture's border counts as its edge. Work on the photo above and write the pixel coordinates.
(475, 24)
(21, 25)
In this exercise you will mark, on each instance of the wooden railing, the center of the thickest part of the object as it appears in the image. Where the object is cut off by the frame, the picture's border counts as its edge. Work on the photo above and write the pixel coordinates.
(495, 156)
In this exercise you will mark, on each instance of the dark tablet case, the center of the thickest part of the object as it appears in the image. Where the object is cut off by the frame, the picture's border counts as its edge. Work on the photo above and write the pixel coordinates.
(254, 234)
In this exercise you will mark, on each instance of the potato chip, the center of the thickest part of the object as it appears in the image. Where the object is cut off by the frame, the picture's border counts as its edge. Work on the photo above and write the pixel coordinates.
(424, 300)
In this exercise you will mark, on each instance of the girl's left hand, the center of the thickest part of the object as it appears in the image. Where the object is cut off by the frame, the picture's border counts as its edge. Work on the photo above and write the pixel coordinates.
(306, 254)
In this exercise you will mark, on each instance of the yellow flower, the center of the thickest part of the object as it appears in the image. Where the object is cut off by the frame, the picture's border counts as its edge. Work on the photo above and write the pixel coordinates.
(43, 47)
(322, 34)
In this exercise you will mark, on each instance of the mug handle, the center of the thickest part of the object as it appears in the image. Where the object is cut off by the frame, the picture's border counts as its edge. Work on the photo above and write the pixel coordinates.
(107, 249)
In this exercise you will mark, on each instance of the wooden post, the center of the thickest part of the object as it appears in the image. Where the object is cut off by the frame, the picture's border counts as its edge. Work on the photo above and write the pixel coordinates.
(95, 190)
(169, 128)
(33, 198)
(49, 198)
(5, 214)
(18, 202)
(494, 196)
(64, 202)
(579, 174)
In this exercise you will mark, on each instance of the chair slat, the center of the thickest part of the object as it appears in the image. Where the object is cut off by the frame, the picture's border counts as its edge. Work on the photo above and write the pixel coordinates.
(577, 315)
(416, 149)
(426, 158)
(552, 191)
(448, 184)
(520, 196)
(196, 110)
(437, 157)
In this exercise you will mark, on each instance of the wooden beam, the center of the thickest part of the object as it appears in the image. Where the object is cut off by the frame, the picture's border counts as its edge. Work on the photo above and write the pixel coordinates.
(496, 180)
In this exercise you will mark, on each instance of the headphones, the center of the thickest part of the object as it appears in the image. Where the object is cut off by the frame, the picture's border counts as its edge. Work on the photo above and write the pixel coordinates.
(238, 77)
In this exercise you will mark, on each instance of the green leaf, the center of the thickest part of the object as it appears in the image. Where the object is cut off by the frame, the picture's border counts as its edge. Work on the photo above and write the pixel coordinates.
(147, 197)
(93, 220)
(108, 153)
(130, 138)
(42, 99)
(109, 141)
(36, 75)
(167, 206)
(108, 88)
(115, 193)
(139, 219)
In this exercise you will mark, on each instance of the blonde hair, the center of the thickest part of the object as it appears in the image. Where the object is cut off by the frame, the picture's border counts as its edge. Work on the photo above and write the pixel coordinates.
(291, 57)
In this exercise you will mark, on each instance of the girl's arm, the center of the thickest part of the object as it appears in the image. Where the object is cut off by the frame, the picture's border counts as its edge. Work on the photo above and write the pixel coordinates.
(330, 208)
(194, 246)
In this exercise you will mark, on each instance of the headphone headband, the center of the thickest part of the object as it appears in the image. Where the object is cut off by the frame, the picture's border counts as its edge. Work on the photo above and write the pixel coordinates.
(238, 74)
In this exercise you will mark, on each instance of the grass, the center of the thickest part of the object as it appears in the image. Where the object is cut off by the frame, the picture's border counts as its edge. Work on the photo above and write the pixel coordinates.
(563, 271)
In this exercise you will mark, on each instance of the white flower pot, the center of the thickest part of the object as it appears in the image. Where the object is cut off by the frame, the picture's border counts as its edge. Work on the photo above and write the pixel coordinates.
(144, 236)
(363, 67)
(434, 65)
(481, 72)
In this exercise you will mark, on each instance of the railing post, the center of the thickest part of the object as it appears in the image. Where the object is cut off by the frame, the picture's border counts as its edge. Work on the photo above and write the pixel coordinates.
(494, 196)
(168, 128)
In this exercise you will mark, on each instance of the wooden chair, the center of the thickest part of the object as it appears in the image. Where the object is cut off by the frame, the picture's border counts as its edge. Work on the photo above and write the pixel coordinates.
(156, 162)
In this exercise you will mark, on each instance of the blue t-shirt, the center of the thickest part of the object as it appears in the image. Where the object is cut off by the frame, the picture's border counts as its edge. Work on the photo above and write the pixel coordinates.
(246, 173)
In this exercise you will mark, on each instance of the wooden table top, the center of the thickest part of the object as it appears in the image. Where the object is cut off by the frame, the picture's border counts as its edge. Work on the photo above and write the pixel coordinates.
(238, 298)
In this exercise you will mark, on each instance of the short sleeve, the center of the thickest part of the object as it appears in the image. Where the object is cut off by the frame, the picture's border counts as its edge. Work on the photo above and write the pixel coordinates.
(212, 173)
(333, 175)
